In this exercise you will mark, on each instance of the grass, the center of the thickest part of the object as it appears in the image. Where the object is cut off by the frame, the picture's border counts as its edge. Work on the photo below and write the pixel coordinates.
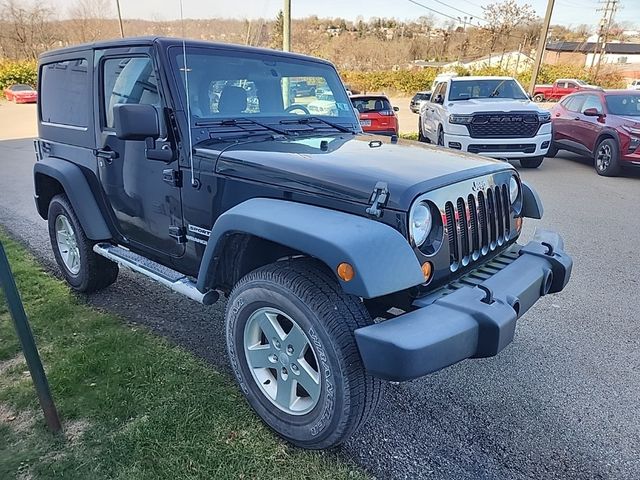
(132, 405)
(409, 136)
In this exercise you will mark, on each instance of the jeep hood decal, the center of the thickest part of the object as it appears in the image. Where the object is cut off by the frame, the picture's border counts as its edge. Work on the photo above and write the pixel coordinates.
(349, 167)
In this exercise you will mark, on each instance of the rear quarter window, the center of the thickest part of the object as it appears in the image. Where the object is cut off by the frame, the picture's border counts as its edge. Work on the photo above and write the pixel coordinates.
(65, 96)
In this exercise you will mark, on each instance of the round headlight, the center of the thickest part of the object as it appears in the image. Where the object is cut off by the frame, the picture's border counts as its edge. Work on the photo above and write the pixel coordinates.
(514, 190)
(420, 223)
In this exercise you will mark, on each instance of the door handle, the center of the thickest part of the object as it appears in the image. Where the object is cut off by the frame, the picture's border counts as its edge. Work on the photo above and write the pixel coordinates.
(557, 114)
(576, 118)
(106, 154)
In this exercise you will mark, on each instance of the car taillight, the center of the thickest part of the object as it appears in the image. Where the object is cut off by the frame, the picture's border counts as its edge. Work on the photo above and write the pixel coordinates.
(386, 113)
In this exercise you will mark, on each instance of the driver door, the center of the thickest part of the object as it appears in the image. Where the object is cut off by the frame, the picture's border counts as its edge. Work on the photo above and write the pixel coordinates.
(431, 112)
(145, 207)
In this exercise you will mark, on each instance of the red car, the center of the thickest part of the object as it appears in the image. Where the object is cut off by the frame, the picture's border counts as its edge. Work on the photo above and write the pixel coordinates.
(602, 124)
(376, 114)
(560, 89)
(21, 93)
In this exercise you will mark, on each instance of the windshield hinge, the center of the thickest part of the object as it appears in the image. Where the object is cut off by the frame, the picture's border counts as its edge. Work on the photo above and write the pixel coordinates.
(378, 199)
(179, 234)
(172, 177)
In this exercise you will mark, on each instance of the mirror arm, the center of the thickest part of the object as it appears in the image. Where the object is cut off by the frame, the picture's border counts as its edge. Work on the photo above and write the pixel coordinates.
(164, 153)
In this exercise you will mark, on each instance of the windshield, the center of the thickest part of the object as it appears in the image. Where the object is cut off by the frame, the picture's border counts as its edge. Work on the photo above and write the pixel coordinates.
(580, 82)
(628, 105)
(21, 88)
(245, 85)
(490, 88)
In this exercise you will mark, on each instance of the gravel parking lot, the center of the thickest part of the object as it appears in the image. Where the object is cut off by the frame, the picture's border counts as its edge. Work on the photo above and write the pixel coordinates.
(561, 402)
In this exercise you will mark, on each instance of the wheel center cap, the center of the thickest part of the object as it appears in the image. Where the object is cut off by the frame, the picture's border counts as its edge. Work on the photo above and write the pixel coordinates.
(284, 359)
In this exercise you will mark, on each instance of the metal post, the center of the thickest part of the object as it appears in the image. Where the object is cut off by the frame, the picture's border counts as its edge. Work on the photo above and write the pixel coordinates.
(120, 19)
(29, 348)
(286, 26)
(542, 45)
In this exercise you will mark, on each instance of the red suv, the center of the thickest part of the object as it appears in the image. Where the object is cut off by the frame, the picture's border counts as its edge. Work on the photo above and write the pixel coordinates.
(602, 124)
(376, 114)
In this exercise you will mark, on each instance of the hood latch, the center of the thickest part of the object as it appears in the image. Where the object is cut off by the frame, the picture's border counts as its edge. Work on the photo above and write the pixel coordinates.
(378, 199)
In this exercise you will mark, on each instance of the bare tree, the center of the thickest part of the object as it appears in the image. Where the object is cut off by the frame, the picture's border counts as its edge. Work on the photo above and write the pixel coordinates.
(26, 29)
(87, 19)
(504, 18)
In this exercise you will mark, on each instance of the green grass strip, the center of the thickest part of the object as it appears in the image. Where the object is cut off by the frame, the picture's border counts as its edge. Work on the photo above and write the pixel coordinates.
(133, 405)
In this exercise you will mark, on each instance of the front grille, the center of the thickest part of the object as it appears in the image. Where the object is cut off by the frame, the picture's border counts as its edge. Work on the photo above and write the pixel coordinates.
(477, 225)
(505, 125)
(517, 147)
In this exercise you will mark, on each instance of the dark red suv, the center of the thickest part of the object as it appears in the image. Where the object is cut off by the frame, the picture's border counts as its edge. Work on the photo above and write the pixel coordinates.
(602, 124)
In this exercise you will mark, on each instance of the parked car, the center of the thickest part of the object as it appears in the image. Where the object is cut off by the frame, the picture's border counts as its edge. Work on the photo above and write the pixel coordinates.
(559, 89)
(418, 100)
(492, 116)
(301, 89)
(376, 114)
(602, 124)
(634, 85)
(324, 104)
(309, 228)
(21, 93)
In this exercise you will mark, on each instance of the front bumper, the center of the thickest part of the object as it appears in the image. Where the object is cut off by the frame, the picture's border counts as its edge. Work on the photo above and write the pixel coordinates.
(510, 148)
(472, 321)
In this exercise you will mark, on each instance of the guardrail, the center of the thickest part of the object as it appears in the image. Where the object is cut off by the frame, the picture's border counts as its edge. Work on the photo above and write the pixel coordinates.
(31, 355)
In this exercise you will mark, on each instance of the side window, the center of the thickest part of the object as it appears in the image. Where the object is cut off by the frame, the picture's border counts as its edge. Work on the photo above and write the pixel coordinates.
(574, 104)
(592, 101)
(128, 80)
(571, 85)
(440, 90)
(64, 89)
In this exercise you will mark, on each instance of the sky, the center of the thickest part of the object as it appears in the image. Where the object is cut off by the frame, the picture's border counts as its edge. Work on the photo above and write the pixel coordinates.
(566, 12)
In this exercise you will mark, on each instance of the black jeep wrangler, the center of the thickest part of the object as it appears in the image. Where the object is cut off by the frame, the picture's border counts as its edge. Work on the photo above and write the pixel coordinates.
(347, 259)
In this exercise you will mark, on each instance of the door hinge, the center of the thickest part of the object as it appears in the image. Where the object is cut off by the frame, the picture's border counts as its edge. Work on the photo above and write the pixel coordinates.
(178, 233)
(172, 177)
(378, 199)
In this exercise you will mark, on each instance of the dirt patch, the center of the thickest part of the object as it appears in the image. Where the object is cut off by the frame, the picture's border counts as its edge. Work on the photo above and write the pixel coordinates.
(7, 365)
(19, 422)
(74, 430)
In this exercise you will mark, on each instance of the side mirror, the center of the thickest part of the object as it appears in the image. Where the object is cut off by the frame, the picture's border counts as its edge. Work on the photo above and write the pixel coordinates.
(396, 109)
(438, 99)
(136, 122)
(591, 112)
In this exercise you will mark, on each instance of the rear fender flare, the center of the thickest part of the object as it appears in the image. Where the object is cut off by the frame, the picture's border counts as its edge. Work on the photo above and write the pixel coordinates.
(77, 189)
(382, 258)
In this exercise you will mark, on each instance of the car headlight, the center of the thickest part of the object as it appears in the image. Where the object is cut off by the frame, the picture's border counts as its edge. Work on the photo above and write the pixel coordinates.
(514, 190)
(544, 117)
(420, 223)
(460, 119)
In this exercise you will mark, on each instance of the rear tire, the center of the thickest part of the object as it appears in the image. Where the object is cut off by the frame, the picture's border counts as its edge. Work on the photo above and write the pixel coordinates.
(533, 162)
(606, 158)
(83, 269)
(302, 297)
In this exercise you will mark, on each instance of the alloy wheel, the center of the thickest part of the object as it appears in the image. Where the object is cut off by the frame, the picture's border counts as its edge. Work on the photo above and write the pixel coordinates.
(67, 244)
(603, 158)
(282, 361)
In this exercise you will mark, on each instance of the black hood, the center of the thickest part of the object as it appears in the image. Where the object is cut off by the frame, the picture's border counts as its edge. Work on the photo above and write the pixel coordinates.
(349, 166)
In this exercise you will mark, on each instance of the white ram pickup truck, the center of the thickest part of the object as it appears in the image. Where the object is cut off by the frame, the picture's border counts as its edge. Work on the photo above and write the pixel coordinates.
(491, 116)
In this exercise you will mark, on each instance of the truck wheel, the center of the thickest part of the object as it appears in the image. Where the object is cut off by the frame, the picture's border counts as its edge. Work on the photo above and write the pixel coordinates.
(533, 162)
(538, 97)
(421, 135)
(552, 152)
(81, 267)
(606, 158)
(440, 136)
(290, 338)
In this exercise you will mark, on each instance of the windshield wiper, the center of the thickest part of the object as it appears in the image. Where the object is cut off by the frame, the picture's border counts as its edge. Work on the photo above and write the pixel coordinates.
(307, 120)
(238, 122)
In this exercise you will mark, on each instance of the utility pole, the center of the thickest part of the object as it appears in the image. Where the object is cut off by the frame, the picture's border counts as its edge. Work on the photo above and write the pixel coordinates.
(542, 45)
(120, 19)
(608, 12)
(286, 26)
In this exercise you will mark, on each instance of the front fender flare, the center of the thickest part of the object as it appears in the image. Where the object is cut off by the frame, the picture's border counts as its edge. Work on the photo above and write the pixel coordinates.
(382, 258)
(79, 193)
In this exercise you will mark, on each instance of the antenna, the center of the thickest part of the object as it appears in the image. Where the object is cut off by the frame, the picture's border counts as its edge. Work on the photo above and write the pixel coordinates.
(186, 91)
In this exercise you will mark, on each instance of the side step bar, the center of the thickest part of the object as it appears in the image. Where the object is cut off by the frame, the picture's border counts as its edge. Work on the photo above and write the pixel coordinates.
(176, 281)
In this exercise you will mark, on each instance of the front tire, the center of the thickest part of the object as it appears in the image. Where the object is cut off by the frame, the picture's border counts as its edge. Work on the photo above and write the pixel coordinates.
(533, 162)
(440, 136)
(421, 135)
(290, 339)
(552, 152)
(538, 98)
(83, 269)
(607, 158)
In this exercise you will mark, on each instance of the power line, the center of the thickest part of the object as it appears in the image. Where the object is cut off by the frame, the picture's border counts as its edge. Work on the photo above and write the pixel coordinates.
(432, 10)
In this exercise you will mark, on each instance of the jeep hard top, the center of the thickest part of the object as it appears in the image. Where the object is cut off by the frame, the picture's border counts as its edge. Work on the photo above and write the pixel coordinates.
(347, 259)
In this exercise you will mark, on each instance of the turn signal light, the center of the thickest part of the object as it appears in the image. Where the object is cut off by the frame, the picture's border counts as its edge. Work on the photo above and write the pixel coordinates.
(346, 272)
(518, 223)
(427, 271)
